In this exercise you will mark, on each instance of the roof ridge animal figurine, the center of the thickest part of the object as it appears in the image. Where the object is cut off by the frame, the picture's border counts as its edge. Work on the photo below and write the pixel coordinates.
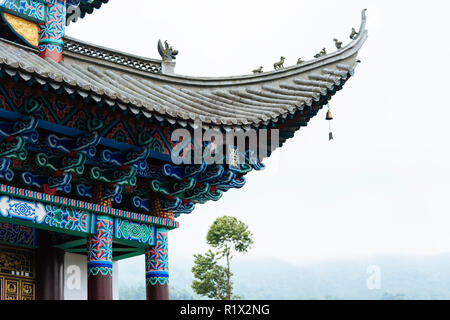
(259, 70)
(354, 34)
(337, 43)
(166, 52)
(279, 64)
(300, 61)
(322, 52)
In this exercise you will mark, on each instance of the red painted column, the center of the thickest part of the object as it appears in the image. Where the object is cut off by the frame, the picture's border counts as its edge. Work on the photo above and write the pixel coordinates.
(49, 269)
(100, 268)
(157, 267)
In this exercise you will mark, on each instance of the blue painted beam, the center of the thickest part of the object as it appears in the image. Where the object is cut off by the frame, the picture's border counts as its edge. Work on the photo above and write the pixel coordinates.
(70, 132)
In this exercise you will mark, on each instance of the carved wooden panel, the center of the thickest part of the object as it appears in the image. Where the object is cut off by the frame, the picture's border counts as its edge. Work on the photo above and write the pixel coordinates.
(12, 289)
(27, 290)
(17, 274)
(17, 262)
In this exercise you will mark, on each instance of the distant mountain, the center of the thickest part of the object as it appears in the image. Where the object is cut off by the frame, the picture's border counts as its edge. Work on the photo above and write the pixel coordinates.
(132, 280)
(401, 277)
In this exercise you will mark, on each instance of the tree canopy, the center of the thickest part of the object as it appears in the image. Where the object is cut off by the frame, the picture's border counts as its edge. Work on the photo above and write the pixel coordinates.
(226, 235)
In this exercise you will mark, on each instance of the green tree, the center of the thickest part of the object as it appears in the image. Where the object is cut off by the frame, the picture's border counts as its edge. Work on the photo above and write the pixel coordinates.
(212, 276)
(227, 235)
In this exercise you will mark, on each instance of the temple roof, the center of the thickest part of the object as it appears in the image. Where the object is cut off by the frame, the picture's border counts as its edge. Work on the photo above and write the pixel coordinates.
(137, 84)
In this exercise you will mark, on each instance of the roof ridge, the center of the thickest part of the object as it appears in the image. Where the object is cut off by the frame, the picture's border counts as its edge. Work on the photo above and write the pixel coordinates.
(84, 48)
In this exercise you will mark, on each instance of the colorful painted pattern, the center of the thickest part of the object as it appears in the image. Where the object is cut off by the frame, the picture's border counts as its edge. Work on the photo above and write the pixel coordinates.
(67, 218)
(17, 235)
(100, 247)
(79, 222)
(30, 9)
(131, 231)
(86, 117)
(157, 260)
(52, 31)
(77, 204)
(48, 216)
(182, 186)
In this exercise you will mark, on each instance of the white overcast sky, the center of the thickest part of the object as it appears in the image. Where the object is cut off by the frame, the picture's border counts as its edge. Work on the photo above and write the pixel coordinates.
(382, 186)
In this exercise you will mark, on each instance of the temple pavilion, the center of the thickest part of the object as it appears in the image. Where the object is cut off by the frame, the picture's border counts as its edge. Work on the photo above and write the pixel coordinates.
(89, 166)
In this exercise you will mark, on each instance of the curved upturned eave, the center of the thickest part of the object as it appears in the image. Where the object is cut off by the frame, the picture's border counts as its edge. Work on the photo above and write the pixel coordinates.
(349, 50)
(222, 103)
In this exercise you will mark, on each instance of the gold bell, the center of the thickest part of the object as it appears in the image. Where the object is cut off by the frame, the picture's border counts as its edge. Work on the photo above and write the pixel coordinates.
(329, 116)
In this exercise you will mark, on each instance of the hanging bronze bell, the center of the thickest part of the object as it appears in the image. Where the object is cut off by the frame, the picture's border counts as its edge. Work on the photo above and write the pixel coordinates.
(329, 116)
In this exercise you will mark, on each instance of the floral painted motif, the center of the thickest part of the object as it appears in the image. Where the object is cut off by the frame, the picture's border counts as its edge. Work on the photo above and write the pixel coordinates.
(33, 9)
(131, 231)
(52, 31)
(21, 209)
(157, 260)
(100, 247)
